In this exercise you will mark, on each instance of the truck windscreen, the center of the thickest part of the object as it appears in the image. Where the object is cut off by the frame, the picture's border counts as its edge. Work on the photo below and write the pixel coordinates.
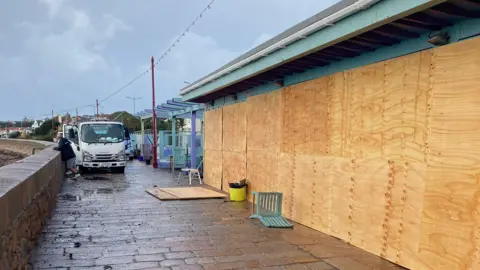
(102, 133)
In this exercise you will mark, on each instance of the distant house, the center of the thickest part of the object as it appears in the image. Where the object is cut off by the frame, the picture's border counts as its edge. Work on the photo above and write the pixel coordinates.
(35, 125)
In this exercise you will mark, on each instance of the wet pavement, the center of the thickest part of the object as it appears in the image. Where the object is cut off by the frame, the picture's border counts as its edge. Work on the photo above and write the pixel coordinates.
(108, 221)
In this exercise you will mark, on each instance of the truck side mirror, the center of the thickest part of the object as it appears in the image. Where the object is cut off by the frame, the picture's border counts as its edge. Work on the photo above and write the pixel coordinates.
(127, 134)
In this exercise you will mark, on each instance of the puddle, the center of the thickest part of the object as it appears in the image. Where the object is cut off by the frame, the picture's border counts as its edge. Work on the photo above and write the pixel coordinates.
(69, 197)
(97, 178)
(88, 192)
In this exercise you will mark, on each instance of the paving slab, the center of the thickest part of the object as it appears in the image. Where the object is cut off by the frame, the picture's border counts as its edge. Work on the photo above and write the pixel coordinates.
(108, 221)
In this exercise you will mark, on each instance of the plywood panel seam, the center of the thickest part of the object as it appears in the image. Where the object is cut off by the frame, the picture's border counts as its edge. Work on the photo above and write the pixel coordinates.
(384, 101)
(403, 202)
(388, 213)
(351, 199)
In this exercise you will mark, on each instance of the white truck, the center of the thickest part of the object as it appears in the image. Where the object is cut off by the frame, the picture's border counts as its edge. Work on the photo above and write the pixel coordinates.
(98, 145)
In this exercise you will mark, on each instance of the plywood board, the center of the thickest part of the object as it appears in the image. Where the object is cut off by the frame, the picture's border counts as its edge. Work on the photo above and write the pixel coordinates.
(285, 182)
(450, 219)
(234, 127)
(342, 198)
(213, 168)
(263, 117)
(234, 168)
(184, 193)
(337, 107)
(322, 193)
(370, 204)
(302, 195)
(213, 129)
(307, 122)
(385, 156)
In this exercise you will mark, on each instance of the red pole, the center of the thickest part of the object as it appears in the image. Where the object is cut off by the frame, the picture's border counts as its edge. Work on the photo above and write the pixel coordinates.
(154, 119)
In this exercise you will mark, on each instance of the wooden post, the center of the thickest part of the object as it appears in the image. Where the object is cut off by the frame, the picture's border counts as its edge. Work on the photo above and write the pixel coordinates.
(154, 118)
(174, 141)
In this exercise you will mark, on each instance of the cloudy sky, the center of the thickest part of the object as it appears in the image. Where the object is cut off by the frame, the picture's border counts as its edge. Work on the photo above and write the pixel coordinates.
(60, 54)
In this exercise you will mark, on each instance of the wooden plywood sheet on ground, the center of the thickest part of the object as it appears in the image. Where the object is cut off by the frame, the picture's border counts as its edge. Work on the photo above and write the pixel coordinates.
(234, 127)
(184, 193)
(451, 219)
(234, 168)
(213, 129)
(213, 168)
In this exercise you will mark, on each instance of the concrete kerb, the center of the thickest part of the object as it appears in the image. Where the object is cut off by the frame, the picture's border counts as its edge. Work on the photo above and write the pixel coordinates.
(28, 190)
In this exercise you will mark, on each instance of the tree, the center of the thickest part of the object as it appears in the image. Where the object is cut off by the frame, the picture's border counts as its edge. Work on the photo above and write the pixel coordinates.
(46, 127)
(14, 135)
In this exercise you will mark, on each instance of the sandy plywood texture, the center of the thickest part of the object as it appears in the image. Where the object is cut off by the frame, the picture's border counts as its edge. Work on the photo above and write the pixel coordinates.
(303, 183)
(451, 219)
(285, 182)
(369, 205)
(234, 127)
(262, 171)
(213, 129)
(323, 167)
(234, 168)
(213, 168)
(264, 122)
(307, 123)
(342, 198)
(385, 156)
(184, 193)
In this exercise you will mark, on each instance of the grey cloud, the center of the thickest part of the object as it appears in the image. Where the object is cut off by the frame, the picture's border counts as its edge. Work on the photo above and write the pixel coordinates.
(63, 53)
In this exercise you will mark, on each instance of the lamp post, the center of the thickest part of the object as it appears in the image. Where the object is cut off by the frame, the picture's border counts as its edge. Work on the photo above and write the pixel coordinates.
(134, 101)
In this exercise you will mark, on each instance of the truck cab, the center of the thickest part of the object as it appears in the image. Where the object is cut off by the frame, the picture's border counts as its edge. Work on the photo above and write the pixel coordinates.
(98, 145)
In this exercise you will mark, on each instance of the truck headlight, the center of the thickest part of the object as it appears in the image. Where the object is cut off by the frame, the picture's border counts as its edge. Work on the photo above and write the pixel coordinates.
(87, 156)
(121, 155)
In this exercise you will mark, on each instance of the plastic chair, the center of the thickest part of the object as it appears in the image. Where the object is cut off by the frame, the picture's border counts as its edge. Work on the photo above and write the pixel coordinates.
(269, 209)
(192, 173)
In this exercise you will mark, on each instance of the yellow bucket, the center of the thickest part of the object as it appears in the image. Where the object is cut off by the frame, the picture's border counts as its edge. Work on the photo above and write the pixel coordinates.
(238, 194)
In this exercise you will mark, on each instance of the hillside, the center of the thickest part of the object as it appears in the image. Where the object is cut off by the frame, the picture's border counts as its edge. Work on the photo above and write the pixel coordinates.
(130, 121)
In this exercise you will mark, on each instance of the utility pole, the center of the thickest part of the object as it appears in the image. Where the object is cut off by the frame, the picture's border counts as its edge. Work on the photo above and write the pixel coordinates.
(76, 116)
(96, 102)
(53, 125)
(154, 117)
(134, 100)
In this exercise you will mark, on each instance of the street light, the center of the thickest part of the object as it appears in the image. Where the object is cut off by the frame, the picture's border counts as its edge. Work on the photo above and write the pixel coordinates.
(134, 100)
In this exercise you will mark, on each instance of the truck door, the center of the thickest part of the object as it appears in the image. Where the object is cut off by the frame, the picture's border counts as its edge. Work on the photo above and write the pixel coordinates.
(70, 132)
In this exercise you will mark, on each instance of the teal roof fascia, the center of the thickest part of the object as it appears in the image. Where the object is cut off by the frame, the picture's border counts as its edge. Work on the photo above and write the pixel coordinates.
(382, 12)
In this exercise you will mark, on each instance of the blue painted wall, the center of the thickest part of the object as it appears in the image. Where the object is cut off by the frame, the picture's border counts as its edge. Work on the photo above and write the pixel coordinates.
(461, 31)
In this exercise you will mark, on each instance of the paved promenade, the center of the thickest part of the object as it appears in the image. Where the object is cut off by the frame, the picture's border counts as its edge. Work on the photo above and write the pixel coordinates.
(108, 221)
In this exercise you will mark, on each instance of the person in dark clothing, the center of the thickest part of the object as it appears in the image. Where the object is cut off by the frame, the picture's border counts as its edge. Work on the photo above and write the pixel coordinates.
(68, 155)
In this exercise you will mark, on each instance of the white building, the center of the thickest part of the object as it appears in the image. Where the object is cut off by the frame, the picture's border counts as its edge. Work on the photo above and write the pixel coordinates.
(35, 125)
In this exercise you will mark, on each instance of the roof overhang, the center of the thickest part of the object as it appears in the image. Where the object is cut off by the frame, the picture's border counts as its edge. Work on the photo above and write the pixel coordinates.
(386, 23)
(174, 108)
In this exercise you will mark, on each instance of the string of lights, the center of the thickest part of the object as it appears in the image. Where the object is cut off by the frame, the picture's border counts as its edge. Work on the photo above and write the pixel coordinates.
(167, 51)
(159, 59)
